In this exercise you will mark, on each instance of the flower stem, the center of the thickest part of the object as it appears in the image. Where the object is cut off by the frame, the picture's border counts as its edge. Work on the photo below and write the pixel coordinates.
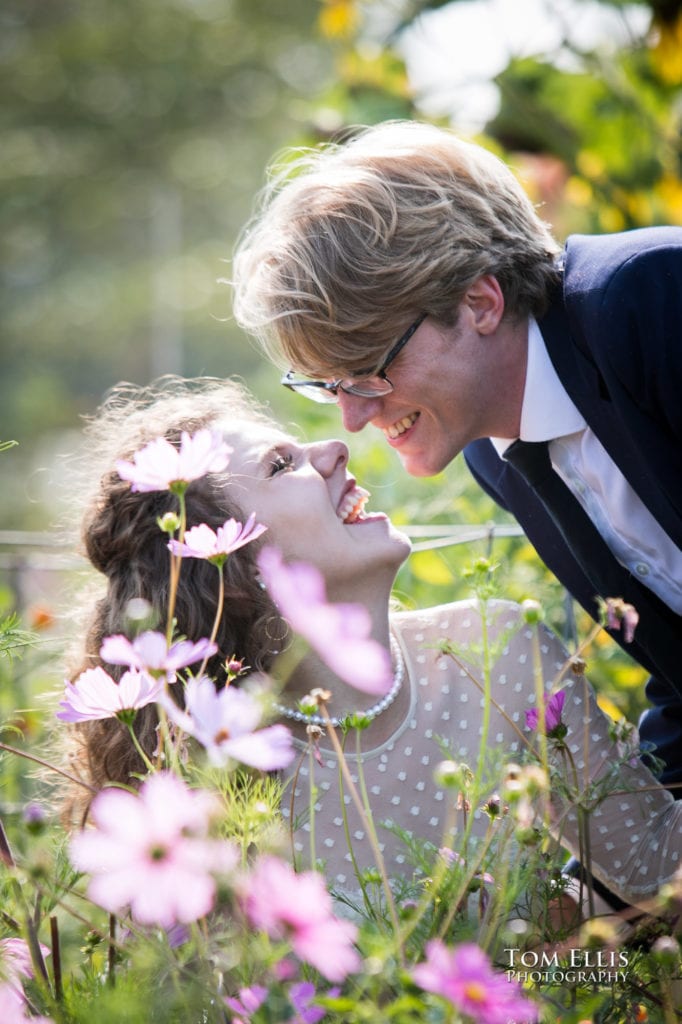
(138, 747)
(369, 827)
(487, 673)
(311, 804)
(56, 959)
(538, 677)
(349, 843)
(46, 764)
(5, 850)
(218, 615)
(111, 951)
(175, 566)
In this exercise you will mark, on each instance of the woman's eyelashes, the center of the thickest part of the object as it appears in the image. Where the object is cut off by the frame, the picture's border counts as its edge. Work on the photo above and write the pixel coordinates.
(280, 462)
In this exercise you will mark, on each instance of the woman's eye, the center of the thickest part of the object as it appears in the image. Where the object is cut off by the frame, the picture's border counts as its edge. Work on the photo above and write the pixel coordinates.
(280, 462)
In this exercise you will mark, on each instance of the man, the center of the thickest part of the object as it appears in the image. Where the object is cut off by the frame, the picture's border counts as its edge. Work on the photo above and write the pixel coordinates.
(407, 277)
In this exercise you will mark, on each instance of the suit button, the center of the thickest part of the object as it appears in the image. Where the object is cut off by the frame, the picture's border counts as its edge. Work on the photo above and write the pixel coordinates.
(642, 569)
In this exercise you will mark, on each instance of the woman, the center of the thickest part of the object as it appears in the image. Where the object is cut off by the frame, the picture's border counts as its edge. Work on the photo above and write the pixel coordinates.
(316, 513)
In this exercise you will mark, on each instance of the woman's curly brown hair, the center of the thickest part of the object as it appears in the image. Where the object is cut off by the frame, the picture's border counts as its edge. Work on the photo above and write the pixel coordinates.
(123, 541)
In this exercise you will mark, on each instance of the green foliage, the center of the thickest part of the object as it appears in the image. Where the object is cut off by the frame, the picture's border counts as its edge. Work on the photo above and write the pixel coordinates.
(13, 639)
(134, 138)
(496, 891)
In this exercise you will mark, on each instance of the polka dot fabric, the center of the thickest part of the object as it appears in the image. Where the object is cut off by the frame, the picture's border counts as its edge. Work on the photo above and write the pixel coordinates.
(636, 833)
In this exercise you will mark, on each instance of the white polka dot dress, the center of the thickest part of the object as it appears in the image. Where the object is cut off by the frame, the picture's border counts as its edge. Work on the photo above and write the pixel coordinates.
(635, 831)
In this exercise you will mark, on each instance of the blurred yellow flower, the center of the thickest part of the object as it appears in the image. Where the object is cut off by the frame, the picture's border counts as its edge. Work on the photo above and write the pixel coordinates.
(338, 19)
(669, 190)
(666, 54)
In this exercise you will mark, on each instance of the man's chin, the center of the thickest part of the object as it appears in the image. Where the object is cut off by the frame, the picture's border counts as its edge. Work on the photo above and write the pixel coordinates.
(422, 465)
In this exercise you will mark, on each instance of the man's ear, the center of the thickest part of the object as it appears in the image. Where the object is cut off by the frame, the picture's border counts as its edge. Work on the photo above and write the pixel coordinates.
(485, 300)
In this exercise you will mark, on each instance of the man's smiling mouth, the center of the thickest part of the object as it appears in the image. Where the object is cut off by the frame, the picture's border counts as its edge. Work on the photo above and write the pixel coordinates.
(400, 426)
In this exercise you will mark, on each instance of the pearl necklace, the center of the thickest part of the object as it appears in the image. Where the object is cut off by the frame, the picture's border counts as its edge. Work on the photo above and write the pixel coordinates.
(370, 714)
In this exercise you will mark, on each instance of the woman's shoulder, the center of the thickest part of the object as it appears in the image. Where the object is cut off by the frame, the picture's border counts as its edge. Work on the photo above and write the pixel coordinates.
(456, 615)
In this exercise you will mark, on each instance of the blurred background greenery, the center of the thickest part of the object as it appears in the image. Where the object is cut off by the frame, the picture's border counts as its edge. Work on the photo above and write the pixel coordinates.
(135, 136)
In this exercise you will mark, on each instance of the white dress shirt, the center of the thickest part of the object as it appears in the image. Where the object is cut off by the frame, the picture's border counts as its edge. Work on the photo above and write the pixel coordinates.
(631, 532)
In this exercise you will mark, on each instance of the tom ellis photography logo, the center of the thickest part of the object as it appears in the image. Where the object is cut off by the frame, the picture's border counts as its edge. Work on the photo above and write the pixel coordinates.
(573, 966)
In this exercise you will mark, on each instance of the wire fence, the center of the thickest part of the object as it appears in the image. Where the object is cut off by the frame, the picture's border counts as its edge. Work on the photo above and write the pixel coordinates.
(33, 563)
(28, 557)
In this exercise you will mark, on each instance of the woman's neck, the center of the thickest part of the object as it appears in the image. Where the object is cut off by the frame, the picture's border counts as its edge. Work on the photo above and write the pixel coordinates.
(312, 672)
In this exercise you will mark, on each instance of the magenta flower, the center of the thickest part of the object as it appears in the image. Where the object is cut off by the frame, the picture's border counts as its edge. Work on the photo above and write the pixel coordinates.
(451, 856)
(216, 545)
(224, 723)
(160, 466)
(465, 977)
(298, 907)
(551, 723)
(338, 632)
(94, 694)
(301, 996)
(250, 1000)
(151, 852)
(149, 652)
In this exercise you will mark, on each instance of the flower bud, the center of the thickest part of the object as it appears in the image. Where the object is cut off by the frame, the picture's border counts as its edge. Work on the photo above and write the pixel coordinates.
(598, 932)
(666, 950)
(451, 775)
(578, 665)
(532, 611)
(319, 696)
(169, 523)
(493, 807)
(34, 817)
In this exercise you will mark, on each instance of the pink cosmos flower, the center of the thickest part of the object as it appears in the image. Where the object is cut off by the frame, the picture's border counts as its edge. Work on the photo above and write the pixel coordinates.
(298, 907)
(224, 723)
(150, 652)
(465, 977)
(338, 632)
(160, 466)
(15, 964)
(215, 545)
(95, 695)
(13, 1011)
(551, 723)
(151, 852)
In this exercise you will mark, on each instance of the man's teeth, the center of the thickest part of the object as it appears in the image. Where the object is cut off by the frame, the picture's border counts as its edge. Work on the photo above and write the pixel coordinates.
(350, 509)
(400, 426)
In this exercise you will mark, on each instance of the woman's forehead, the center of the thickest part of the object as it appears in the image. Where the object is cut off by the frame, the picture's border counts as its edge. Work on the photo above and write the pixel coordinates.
(250, 442)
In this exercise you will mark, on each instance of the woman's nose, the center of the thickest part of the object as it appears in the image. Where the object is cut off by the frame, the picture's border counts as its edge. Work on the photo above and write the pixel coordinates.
(328, 456)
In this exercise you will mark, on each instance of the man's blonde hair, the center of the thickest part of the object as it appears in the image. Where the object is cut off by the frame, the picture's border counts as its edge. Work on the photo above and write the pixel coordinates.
(352, 241)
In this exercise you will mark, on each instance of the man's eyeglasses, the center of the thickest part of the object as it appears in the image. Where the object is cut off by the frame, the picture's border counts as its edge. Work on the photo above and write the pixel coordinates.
(373, 386)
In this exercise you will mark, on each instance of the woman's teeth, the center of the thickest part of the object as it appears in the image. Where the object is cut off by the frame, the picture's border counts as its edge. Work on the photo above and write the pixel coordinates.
(350, 509)
(400, 426)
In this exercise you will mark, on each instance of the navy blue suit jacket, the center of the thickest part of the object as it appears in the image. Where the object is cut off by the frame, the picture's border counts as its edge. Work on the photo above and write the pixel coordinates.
(614, 335)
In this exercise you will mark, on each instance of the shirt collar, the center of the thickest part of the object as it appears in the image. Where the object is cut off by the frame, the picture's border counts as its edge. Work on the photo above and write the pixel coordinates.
(547, 411)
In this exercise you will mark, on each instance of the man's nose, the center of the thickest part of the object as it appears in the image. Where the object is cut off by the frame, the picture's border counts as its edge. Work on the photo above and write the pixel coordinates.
(356, 411)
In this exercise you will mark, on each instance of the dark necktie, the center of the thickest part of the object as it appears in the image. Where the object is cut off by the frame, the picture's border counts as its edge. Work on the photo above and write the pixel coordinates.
(660, 629)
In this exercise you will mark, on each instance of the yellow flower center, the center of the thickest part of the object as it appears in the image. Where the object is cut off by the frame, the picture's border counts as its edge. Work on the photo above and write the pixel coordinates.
(474, 991)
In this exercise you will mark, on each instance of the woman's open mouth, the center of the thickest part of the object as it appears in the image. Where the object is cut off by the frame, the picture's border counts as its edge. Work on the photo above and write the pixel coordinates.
(350, 509)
